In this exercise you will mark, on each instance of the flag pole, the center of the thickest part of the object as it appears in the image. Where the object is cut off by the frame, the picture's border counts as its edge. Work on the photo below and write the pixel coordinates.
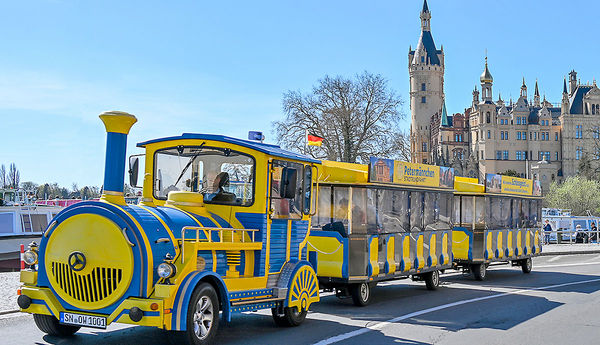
(306, 141)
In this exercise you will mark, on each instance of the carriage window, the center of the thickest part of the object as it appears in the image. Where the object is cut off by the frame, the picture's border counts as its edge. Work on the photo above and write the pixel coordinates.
(456, 215)
(283, 208)
(416, 211)
(324, 210)
(499, 210)
(479, 211)
(535, 212)
(438, 207)
(221, 175)
(431, 211)
(392, 209)
(359, 211)
(341, 206)
(445, 204)
(520, 213)
(467, 210)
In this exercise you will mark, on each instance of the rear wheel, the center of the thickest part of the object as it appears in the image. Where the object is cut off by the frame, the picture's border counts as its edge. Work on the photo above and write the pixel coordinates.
(361, 294)
(432, 279)
(50, 325)
(291, 317)
(478, 271)
(203, 315)
(526, 265)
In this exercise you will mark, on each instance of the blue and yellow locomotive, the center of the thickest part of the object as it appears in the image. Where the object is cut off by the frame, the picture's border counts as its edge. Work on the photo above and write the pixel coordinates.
(222, 228)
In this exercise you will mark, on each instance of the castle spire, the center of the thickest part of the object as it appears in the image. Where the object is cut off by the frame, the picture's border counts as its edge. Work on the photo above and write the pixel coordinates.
(445, 121)
(565, 85)
(536, 95)
(425, 17)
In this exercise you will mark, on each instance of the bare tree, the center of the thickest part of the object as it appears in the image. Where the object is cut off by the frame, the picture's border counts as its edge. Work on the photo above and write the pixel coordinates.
(2, 176)
(357, 118)
(13, 176)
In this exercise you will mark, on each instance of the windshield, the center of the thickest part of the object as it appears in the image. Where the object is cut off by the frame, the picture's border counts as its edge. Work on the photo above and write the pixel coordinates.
(222, 176)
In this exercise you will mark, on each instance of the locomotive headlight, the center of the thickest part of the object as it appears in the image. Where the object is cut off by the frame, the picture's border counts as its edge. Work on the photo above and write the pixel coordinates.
(166, 270)
(30, 257)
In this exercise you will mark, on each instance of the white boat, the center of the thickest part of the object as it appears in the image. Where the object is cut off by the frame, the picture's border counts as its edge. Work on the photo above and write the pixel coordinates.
(20, 223)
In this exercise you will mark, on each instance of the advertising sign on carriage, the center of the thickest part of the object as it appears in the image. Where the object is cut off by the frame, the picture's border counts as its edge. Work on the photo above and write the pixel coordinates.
(495, 183)
(398, 172)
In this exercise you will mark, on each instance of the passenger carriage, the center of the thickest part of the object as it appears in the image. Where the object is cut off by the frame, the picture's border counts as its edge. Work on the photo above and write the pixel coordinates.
(222, 228)
(383, 221)
(496, 223)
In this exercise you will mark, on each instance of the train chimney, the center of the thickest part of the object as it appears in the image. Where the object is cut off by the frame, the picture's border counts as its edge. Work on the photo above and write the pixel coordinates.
(117, 125)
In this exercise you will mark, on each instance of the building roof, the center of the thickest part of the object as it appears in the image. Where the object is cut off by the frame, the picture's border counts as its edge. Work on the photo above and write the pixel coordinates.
(534, 118)
(445, 121)
(576, 100)
(426, 44)
(486, 76)
(425, 7)
(269, 149)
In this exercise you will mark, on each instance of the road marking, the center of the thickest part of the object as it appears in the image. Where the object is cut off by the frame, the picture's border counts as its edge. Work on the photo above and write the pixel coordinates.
(380, 325)
(566, 265)
(554, 258)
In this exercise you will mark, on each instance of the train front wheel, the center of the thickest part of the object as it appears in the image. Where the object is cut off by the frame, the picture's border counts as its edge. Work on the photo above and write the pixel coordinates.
(50, 325)
(361, 294)
(203, 315)
(432, 279)
(526, 265)
(479, 271)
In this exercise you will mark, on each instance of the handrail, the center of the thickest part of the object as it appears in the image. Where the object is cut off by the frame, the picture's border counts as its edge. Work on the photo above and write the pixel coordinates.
(208, 233)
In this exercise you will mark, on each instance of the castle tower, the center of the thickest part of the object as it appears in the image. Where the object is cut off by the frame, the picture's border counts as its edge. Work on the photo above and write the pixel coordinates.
(572, 81)
(426, 71)
(524, 89)
(486, 80)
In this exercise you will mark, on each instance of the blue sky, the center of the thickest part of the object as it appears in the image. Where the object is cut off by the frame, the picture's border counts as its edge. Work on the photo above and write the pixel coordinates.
(222, 67)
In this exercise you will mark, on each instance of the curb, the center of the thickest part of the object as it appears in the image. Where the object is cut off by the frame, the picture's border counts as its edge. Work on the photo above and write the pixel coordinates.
(596, 251)
(4, 312)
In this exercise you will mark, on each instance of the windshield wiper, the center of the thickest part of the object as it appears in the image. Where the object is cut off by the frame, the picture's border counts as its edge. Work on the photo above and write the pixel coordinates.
(189, 163)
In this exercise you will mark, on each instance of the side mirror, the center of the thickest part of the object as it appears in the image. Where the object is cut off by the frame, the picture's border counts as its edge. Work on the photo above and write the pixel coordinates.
(287, 190)
(134, 165)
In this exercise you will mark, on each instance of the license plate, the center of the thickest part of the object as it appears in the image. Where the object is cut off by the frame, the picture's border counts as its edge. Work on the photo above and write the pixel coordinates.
(83, 320)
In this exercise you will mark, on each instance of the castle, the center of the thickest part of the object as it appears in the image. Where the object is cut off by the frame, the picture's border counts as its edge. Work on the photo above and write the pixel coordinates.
(532, 137)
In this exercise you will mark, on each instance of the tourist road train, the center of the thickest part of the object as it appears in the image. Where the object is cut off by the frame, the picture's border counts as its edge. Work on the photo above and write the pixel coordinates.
(228, 225)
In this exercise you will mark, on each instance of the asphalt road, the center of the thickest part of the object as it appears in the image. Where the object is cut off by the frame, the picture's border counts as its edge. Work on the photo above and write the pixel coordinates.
(556, 304)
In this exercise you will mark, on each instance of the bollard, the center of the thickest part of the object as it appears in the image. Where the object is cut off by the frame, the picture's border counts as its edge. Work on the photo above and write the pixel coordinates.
(22, 259)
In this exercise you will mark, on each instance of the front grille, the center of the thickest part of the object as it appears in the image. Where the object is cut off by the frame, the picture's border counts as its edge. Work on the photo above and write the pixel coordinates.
(92, 287)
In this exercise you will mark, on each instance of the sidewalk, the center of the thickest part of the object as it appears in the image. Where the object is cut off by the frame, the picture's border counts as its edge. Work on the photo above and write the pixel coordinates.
(566, 249)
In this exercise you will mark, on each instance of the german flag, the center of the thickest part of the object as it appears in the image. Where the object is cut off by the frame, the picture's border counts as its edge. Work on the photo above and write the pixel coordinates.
(314, 140)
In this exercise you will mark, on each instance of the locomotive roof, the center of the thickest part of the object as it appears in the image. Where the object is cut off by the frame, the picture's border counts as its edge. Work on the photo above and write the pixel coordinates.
(270, 149)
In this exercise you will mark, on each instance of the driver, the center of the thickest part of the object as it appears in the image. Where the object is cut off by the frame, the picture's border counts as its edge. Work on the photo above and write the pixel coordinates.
(222, 180)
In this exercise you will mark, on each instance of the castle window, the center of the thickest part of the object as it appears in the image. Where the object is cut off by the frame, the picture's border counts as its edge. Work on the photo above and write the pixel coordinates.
(498, 155)
(487, 117)
(578, 152)
(423, 87)
(518, 135)
(505, 155)
(524, 120)
(518, 155)
(579, 132)
(596, 132)
(593, 109)
(489, 134)
(422, 59)
(555, 136)
(481, 155)
(518, 120)
(556, 155)
(424, 147)
(423, 99)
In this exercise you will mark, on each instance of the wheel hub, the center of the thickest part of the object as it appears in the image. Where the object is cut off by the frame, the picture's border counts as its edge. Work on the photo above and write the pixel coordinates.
(203, 317)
